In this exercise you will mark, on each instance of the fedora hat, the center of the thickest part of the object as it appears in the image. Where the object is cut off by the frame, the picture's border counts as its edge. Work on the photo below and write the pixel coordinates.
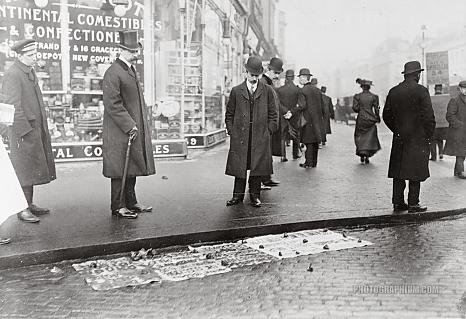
(276, 64)
(254, 65)
(462, 84)
(412, 67)
(304, 71)
(289, 73)
(129, 40)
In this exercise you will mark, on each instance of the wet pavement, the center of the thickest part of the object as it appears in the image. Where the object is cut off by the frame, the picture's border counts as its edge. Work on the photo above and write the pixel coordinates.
(410, 271)
(189, 198)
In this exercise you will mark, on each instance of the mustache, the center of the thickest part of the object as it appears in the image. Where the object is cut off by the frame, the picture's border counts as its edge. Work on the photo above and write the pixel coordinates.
(253, 81)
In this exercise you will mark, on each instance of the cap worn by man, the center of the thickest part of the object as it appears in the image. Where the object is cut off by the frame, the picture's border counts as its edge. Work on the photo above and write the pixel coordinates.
(412, 67)
(23, 46)
(254, 65)
(129, 40)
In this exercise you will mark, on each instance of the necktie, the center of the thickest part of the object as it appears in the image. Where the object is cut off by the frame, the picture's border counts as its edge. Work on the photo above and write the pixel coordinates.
(32, 75)
(134, 71)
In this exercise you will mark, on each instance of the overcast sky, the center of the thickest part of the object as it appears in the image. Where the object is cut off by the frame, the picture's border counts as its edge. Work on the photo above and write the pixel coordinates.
(322, 34)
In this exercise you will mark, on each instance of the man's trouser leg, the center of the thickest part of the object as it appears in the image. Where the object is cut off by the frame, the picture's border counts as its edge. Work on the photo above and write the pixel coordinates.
(295, 149)
(129, 197)
(240, 187)
(398, 196)
(28, 193)
(315, 152)
(255, 185)
(440, 146)
(413, 194)
(459, 165)
(433, 149)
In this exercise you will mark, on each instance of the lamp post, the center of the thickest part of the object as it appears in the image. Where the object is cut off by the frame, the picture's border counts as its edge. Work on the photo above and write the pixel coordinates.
(203, 61)
(182, 7)
(423, 46)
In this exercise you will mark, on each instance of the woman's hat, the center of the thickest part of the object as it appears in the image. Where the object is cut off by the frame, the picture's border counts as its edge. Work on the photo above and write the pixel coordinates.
(129, 40)
(364, 82)
(254, 65)
(412, 67)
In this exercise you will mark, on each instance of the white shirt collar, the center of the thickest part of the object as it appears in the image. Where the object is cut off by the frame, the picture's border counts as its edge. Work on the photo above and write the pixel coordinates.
(124, 60)
(251, 86)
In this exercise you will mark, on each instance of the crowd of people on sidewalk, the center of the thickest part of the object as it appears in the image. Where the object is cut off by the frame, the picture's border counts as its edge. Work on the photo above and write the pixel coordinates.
(261, 117)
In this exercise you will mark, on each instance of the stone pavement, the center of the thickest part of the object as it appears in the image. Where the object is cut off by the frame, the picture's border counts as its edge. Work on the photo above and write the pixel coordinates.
(189, 201)
(411, 271)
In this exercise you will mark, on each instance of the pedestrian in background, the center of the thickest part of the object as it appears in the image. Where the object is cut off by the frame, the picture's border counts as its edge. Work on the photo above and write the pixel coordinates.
(310, 102)
(251, 117)
(324, 112)
(409, 115)
(272, 71)
(440, 133)
(288, 95)
(329, 112)
(125, 116)
(30, 145)
(366, 104)
(456, 138)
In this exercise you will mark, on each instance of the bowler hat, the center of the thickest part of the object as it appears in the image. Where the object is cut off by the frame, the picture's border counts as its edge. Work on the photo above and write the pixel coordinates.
(276, 65)
(25, 45)
(289, 73)
(304, 71)
(412, 67)
(462, 84)
(129, 40)
(314, 81)
(254, 65)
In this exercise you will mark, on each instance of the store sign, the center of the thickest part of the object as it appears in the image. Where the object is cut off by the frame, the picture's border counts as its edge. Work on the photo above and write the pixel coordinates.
(216, 138)
(205, 140)
(437, 68)
(92, 151)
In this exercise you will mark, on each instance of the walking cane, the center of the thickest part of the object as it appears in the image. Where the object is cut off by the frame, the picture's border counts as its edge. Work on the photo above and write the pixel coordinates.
(125, 172)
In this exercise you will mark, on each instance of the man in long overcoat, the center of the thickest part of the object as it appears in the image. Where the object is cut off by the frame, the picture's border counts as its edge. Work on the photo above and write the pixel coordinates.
(273, 69)
(250, 118)
(125, 116)
(456, 137)
(30, 145)
(323, 110)
(329, 112)
(310, 101)
(409, 115)
(288, 95)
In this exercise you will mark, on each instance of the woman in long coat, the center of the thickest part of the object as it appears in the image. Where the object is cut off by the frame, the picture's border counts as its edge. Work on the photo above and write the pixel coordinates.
(366, 104)
(456, 138)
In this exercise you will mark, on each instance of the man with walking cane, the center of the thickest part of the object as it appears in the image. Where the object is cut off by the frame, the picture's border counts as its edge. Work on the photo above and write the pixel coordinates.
(127, 148)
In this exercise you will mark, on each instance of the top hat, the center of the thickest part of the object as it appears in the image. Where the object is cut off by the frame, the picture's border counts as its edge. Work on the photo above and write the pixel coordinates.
(24, 46)
(462, 84)
(276, 65)
(412, 67)
(254, 65)
(304, 71)
(129, 40)
(289, 73)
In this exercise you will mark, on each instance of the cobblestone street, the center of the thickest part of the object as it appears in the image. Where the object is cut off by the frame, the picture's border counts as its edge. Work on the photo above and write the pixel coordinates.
(411, 271)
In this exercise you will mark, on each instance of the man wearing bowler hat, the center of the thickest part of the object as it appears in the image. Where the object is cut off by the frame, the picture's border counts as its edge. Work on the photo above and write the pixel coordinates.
(30, 145)
(272, 71)
(250, 118)
(409, 115)
(288, 95)
(125, 117)
(310, 102)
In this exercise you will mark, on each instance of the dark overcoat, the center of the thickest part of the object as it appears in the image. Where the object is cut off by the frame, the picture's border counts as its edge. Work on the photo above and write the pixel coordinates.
(409, 115)
(366, 104)
(328, 112)
(288, 96)
(30, 145)
(310, 101)
(264, 123)
(278, 137)
(456, 117)
(124, 108)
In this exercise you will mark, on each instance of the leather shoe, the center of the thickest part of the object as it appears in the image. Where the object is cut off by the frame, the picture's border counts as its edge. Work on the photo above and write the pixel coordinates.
(139, 208)
(36, 210)
(27, 216)
(304, 165)
(124, 213)
(271, 183)
(284, 159)
(417, 209)
(400, 207)
(255, 201)
(4, 241)
(234, 201)
(265, 188)
(461, 176)
(366, 160)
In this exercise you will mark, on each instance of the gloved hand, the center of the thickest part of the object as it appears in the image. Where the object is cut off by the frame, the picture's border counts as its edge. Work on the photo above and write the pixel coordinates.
(133, 133)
